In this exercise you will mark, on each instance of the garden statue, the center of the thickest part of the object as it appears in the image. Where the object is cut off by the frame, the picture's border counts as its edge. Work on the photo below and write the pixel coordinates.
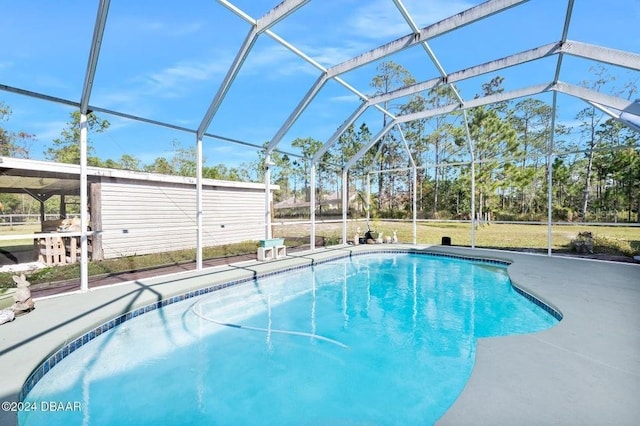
(356, 238)
(394, 239)
(379, 240)
(22, 297)
(70, 225)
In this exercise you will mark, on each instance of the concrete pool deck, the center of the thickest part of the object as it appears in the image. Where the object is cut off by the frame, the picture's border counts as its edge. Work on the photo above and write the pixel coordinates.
(585, 370)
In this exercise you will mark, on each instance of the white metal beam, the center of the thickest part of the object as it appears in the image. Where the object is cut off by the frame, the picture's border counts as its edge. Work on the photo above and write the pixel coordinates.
(322, 68)
(589, 95)
(472, 152)
(312, 206)
(84, 205)
(278, 13)
(618, 115)
(94, 53)
(271, 18)
(467, 73)
(238, 12)
(334, 138)
(406, 146)
(552, 133)
(368, 146)
(263, 26)
(565, 33)
(461, 19)
(228, 80)
(405, 91)
(506, 62)
(619, 58)
(302, 105)
(345, 204)
(38, 95)
(425, 45)
(485, 100)
(199, 204)
(132, 117)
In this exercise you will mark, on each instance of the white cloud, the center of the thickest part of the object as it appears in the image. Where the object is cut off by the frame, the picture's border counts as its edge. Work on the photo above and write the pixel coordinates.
(276, 60)
(381, 19)
(345, 98)
(280, 61)
(47, 130)
(49, 81)
(333, 55)
(157, 27)
(174, 81)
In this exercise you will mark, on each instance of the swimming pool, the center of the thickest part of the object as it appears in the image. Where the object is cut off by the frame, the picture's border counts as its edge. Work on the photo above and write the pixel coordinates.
(386, 338)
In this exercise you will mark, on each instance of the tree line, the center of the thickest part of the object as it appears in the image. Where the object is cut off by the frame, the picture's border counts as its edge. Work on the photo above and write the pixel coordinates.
(595, 163)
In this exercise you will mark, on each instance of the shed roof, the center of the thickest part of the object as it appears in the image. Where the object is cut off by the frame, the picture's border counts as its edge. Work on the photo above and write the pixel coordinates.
(46, 178)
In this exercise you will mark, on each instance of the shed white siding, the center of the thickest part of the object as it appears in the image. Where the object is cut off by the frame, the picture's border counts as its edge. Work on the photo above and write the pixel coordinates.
(152, 217)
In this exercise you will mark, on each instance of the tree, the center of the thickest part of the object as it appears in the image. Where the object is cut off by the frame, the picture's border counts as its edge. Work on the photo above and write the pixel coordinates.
(129, 162)
(126, 162)
(66, 148)
(185, 160)
(309, 147)
(493, 138)
(590, 119)
(13, 144)
(390, 76)
(160, 165)
(222, 172)
(531, 119)
(348, 144)
(441, 139)
(618, 169)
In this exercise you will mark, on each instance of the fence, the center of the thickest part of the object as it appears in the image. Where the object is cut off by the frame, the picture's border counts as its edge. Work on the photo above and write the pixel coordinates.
(26, 219)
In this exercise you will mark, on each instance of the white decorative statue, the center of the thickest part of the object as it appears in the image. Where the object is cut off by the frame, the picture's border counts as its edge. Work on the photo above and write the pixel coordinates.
(394, 239)
(356, 238)
(379, 240)
(22, 296)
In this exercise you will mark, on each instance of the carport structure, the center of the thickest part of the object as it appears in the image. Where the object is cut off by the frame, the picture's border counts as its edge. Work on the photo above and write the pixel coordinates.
(417, 38)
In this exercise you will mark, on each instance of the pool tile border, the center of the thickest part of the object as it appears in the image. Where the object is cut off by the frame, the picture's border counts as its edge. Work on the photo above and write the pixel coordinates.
(77, 343)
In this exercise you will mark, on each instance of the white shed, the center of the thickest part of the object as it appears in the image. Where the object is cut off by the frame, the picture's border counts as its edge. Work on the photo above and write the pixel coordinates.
(133, 213)
(141, 216)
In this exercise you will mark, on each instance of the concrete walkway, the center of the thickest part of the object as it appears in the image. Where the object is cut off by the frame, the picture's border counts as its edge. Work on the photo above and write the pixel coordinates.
(585, 370)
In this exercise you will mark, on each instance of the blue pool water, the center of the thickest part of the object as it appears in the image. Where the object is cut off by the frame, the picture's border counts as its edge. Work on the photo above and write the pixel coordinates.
(374, 339)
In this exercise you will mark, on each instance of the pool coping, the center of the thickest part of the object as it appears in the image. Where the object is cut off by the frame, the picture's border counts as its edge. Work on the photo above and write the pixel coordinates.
(118, 301)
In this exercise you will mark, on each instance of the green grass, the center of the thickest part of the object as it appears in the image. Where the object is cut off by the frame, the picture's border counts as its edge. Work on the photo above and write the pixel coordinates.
(129, 263)
(624, 241)
(17, 230)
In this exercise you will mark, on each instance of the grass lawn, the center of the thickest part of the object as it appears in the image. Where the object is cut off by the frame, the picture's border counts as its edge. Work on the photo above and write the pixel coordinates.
(18, 230)
(623, 241)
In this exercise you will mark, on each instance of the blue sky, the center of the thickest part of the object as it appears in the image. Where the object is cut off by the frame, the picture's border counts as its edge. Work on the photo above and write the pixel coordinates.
(165, 61)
